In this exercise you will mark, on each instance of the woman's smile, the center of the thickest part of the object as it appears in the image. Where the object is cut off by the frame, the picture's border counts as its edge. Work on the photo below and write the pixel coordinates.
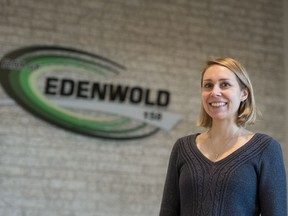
(221, 93)
(218, 104)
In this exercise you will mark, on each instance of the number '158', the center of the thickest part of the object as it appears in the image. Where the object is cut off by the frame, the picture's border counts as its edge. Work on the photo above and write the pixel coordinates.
(153, 115)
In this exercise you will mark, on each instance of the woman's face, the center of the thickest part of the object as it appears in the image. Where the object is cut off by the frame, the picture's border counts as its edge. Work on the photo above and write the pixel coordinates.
(221, 93)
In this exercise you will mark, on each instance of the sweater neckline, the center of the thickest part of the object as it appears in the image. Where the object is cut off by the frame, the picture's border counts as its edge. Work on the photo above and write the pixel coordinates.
(233, 154)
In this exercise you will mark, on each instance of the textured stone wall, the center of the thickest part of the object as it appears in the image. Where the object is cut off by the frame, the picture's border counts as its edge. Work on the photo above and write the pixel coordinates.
(48, 171)
(285, 24)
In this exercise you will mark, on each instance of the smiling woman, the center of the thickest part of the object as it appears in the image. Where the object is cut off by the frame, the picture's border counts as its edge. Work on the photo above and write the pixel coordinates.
(221, 93)
(227, 170)
(234, 72)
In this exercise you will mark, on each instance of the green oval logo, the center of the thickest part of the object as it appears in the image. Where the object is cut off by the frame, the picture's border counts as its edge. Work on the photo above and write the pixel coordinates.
(67, 87)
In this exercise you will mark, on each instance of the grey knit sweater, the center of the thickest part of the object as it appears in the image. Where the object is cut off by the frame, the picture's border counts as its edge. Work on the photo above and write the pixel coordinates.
(249, 182)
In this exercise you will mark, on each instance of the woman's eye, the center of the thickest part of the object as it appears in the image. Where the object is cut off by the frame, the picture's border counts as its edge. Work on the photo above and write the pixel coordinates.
(225, 85)
(207, 85)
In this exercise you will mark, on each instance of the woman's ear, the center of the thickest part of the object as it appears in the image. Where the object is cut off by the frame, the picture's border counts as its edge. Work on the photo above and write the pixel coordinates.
(244, 95)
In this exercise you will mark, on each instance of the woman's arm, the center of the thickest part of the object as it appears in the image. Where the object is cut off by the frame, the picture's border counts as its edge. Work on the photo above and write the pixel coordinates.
(272, 184)
(170, 205)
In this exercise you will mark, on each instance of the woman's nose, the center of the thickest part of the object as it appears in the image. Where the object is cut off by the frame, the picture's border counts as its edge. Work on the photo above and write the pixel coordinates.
(216, 91)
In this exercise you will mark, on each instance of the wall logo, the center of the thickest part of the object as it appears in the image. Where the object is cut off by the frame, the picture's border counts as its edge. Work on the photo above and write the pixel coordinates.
(69, 88)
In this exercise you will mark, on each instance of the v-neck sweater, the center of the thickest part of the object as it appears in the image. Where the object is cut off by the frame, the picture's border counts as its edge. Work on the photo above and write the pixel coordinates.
(248, 182)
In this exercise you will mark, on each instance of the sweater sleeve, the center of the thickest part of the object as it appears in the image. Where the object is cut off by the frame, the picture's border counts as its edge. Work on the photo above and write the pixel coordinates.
(170, 205)
(272, 183)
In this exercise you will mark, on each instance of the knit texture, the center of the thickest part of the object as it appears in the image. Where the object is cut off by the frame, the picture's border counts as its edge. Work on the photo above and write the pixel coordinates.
(249, 182)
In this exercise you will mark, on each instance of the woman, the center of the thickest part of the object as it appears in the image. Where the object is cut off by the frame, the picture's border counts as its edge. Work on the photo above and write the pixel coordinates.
(227, 170)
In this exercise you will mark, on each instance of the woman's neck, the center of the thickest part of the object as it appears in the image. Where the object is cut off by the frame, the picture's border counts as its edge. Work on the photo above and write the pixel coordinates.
(221, 130)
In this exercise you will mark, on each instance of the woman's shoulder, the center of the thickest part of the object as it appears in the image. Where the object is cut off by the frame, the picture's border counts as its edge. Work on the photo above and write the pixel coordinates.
(268, 143)
(187, 139)
(265, 138)
(185, 142)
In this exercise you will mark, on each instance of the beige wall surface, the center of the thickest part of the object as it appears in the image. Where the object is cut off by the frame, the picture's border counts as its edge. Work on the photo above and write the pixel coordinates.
(48, 171)
(285, 27)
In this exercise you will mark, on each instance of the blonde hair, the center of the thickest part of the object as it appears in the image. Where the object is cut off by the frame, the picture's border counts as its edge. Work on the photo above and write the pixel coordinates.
(247, 111)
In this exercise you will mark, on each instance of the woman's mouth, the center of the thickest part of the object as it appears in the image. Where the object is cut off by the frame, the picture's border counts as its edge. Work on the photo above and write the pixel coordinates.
(218, 104)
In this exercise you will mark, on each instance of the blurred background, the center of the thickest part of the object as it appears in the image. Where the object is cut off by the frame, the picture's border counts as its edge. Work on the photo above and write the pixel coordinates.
(163, 44)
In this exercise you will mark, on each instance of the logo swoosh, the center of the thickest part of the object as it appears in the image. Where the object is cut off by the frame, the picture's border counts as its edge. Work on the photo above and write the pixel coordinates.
(29, 75)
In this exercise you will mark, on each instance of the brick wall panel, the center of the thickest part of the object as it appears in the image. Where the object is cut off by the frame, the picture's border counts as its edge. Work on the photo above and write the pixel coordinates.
(47, 171)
